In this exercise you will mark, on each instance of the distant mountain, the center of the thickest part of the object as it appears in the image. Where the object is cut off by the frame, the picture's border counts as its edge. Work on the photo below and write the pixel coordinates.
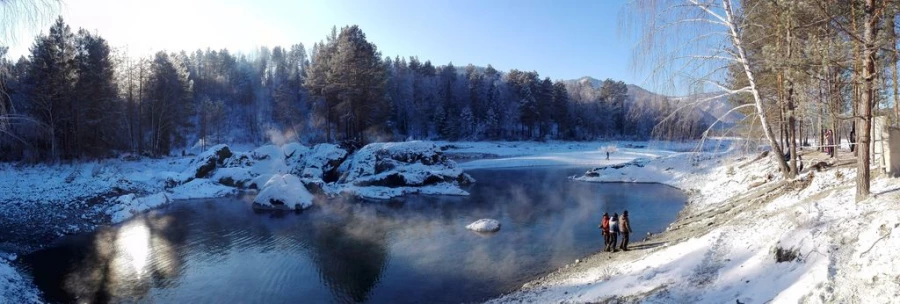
(715, 104)
(707, 106)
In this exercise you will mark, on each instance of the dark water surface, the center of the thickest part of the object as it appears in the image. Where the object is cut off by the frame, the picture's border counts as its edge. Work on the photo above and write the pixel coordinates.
(414, 249)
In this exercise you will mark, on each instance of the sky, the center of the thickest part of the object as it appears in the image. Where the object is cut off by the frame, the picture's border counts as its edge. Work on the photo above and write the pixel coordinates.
(561, 39)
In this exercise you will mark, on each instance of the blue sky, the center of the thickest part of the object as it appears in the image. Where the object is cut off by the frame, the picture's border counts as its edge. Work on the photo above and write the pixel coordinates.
(562, 39)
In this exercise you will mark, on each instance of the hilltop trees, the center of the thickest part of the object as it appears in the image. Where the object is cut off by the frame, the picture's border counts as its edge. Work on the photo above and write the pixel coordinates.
(74, 97)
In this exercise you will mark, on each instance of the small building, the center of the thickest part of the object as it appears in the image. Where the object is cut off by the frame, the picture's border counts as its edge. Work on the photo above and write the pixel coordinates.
(885, 146)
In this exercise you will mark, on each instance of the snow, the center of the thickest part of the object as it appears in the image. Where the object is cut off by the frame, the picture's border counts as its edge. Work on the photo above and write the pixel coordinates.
(14, 288)
(204, 163)
(484, 225)
(321, 159)
(384, 193)
(285, 190)
(722, 249)
(128, 205)
(235, 176)
(200, 188)
(531, 154)
(415, 162)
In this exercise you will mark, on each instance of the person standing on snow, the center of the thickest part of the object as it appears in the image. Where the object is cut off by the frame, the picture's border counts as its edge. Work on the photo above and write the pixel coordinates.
(604, 227)
(613, 231)
(829, 143)
(625, 225)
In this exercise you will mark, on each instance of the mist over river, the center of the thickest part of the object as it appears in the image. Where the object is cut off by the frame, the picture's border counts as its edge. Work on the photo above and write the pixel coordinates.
(406, 250)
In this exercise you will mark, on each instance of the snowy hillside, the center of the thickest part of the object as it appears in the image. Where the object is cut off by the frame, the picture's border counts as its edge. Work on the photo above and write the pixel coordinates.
(746, 237)
(704, 107)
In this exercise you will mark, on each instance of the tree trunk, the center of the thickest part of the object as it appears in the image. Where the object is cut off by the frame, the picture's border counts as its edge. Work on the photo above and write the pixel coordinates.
(893, 63)
(789, 109)
(760, 112)
(865, 105)
(140, 109)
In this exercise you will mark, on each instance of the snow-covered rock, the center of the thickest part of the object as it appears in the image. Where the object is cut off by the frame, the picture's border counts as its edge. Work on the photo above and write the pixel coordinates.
(320, 162)
(239, 177)
(201, 188)
(267, 152)
(293, 153)
(484, 225)
(384, 193)
(127, 205)
(602, 170)
(404, 164)
(283, 191)
(204, 164)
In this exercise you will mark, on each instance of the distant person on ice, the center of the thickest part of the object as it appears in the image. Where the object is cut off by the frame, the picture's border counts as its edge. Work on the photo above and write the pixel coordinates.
(625, 226)
(604, 228)
(613, 232)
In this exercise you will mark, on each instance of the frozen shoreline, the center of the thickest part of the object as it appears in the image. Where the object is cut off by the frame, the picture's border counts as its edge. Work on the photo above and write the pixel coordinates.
(41, 203)
(86, 195)
(727, 243)
(714, 252)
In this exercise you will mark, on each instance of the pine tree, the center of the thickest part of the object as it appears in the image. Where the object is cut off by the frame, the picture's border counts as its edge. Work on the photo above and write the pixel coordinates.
(169, 96)
(560, 110)
(51, 73)
(96, 93)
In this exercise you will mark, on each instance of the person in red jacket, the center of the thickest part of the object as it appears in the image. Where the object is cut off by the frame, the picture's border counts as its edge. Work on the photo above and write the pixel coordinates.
(604, 227)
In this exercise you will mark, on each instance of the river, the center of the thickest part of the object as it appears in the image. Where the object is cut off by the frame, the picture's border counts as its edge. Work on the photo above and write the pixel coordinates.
(409, 250)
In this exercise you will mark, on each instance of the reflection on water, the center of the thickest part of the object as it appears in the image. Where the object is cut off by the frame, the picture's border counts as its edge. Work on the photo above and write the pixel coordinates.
(414, 249)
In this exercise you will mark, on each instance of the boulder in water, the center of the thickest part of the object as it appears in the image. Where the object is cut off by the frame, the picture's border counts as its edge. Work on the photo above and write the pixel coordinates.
(283, 192)
(484, 225)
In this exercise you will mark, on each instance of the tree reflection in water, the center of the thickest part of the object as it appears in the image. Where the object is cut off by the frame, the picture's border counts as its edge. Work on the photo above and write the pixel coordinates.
(413, 249)
(122, 264)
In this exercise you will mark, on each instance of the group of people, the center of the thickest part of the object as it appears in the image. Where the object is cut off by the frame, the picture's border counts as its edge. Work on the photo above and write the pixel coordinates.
(614, 226)
(831, 143)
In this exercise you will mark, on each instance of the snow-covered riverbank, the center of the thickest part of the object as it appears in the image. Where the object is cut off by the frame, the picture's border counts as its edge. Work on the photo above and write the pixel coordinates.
(747, 237)
(742, 218)
(40, 203)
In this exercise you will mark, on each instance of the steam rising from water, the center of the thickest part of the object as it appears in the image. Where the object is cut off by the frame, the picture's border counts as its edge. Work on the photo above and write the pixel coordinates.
(414, 249)
(279, 138)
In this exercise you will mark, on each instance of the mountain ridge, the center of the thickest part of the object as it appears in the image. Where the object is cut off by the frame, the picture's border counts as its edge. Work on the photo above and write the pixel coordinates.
(710, 106)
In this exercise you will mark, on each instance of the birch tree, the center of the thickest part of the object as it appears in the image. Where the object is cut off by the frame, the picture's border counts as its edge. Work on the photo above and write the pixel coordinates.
(691, 44)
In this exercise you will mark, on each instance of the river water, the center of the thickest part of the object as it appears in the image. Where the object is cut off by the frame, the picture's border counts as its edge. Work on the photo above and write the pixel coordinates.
(410, 250)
